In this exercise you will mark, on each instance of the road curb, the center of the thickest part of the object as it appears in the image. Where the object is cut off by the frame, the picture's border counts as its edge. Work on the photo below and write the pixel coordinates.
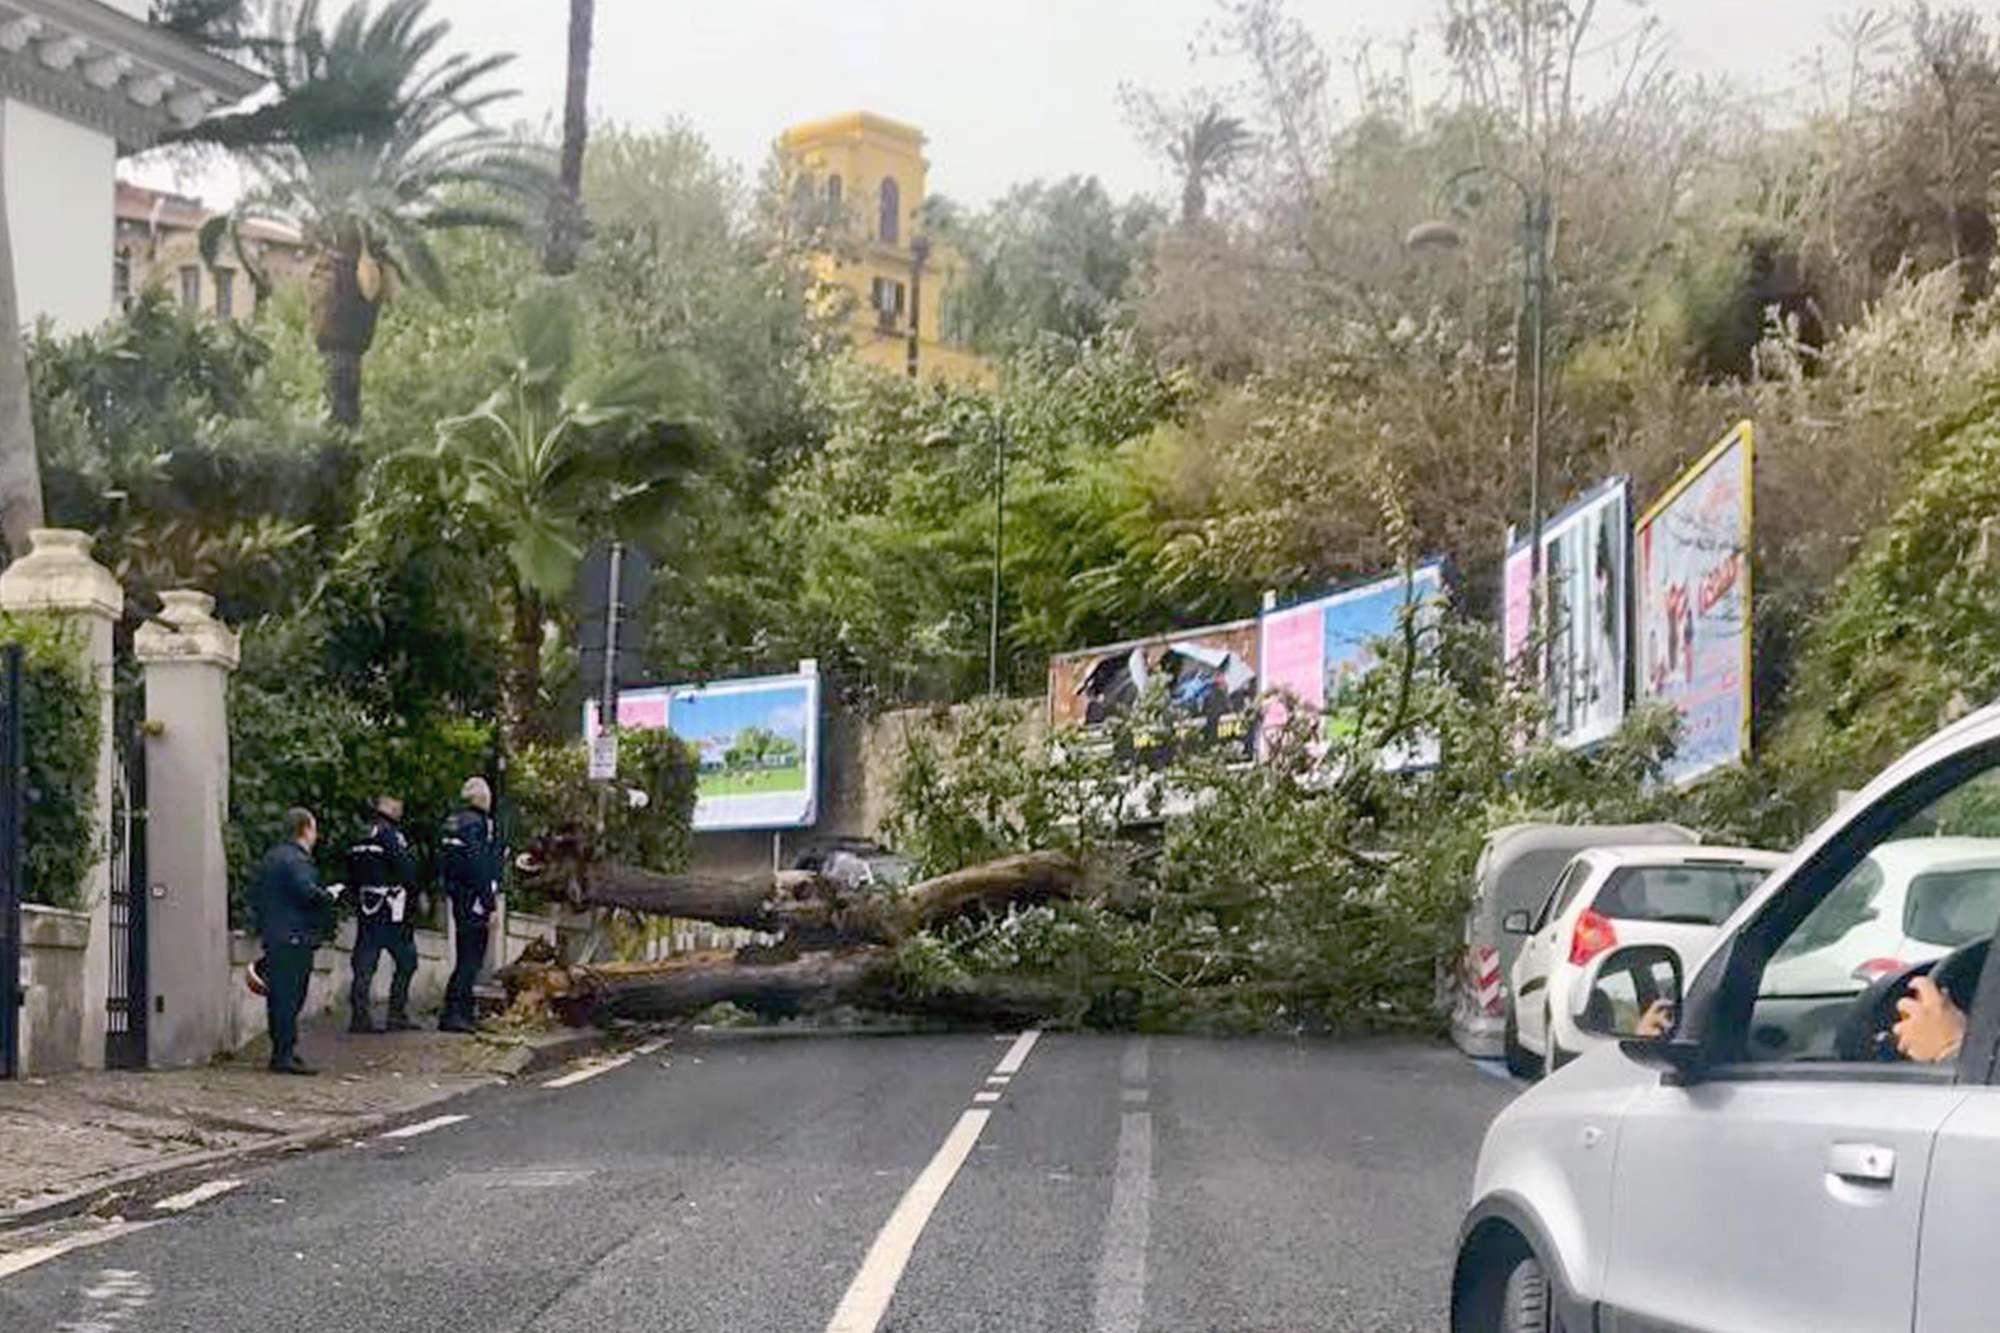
(527, 1057)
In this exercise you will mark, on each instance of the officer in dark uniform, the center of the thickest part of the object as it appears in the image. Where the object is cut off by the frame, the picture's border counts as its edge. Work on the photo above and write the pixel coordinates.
(292, 913)
(469, 861)
(379, 873)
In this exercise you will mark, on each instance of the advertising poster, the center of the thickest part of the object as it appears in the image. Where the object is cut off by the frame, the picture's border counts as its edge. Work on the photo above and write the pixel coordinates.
(1315, 651)
(1586, 581)
(756, 744)
(1693, 605)
(1207, 677)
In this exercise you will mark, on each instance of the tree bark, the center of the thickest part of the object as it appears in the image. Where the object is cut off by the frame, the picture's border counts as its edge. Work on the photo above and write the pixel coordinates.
(521, 690)
(566, 220)
(343, 327)
(20, 467)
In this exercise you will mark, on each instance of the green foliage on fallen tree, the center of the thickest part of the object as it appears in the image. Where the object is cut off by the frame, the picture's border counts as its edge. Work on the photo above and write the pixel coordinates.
(644, 818)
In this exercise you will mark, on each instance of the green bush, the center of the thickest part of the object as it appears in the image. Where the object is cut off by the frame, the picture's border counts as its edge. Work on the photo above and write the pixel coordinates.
(60, 733)
(552, 793)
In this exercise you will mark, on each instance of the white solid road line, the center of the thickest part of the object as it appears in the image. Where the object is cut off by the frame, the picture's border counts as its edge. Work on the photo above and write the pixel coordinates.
(867, 1298)
(180, 1203)
(22, 1260)
(1121, 1273)
(1010, 1063)
(423, 1127)
(653, 1047)
(589, 1072)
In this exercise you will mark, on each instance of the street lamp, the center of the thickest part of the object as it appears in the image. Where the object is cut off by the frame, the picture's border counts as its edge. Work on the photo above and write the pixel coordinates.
(1446, 235)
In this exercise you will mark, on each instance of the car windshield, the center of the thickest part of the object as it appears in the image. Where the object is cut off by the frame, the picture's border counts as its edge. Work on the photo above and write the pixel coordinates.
(1695, 895)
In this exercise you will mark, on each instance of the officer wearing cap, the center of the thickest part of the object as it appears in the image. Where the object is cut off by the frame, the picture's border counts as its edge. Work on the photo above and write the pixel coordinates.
(469, 862)
(379, 873)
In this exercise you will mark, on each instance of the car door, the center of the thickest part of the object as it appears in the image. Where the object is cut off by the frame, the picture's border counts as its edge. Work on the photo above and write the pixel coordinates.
(1785, 1193)
(1955, 1289)
(1538, 955)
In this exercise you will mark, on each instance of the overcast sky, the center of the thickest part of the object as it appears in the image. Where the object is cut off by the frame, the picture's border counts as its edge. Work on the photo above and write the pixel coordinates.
(1006, 92)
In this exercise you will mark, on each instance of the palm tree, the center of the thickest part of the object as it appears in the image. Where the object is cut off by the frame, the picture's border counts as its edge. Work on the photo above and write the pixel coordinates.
(1204, 149)
(566, 221)
(554, 459)
(368, 147)
(20, 469)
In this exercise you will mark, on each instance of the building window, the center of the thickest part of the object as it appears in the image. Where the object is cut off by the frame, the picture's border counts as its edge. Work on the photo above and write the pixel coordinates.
(190, 288)
(888, 225)
(887, 298)
(121, 280)
(225, 293)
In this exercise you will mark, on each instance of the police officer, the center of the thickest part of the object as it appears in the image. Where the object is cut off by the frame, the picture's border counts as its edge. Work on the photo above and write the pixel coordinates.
(469, 861)
(292, 912)
(379, 873)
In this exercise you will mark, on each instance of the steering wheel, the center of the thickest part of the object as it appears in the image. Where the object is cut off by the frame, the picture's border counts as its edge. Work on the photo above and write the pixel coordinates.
(1867, 1030)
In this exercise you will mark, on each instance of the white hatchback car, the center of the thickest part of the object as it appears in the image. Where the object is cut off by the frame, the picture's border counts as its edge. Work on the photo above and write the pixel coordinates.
(1607, 897)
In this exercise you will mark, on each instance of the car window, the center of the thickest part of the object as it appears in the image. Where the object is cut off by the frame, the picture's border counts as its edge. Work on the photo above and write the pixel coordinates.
(1559, 894)
(1924, 886)
(1694, 895)
(1953, 907)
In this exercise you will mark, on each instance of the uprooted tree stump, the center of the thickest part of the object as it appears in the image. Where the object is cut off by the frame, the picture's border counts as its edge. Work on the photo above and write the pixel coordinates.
(836, 941)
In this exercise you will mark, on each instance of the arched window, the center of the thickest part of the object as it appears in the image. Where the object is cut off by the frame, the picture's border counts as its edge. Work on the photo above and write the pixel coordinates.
(833, 194)
(888, 224)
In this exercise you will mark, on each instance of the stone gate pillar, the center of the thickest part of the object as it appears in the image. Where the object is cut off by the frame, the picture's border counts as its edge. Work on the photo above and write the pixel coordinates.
(188, 656)
(58, 577)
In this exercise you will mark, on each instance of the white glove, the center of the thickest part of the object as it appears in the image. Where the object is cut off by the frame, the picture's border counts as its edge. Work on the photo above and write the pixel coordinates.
(335, 890)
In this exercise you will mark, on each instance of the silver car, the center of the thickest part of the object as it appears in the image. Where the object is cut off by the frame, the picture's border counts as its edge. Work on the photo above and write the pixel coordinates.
(1757, 1154)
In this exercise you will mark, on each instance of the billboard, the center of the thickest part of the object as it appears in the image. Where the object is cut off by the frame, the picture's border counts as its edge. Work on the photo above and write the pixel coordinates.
(1209, 680)
(1586, 579)
(1314, 650)
(756, 745)
(1693, 605)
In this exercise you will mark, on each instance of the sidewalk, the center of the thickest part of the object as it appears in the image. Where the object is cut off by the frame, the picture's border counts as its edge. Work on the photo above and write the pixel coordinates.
(67, 1138)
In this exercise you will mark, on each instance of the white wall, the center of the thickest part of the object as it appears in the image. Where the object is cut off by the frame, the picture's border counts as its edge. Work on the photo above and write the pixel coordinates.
(59, 207)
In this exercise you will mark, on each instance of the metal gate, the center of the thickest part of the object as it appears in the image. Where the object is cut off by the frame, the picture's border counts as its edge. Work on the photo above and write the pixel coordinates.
(129, 1001)
(13, 881)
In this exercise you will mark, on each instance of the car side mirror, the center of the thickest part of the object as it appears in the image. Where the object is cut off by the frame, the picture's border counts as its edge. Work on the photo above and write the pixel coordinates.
(1517, 923)
(1632, 993)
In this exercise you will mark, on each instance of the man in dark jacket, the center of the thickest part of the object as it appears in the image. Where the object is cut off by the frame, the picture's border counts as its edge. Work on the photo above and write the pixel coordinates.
(292, 911)
(469, 862)
(379, 874)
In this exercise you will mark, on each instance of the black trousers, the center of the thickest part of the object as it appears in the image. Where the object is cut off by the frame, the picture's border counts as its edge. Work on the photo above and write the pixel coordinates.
(288, 972)
(371, 940)
(470, 955)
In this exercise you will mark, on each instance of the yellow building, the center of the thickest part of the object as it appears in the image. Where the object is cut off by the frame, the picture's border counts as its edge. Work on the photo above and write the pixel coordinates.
(867, 172)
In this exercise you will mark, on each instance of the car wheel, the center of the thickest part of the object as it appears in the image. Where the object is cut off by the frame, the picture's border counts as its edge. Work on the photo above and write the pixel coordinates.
(1521, 1062)
(1524, 1303)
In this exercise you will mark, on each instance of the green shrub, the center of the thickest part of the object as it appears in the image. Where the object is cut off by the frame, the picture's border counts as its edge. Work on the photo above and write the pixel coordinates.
(60, 727)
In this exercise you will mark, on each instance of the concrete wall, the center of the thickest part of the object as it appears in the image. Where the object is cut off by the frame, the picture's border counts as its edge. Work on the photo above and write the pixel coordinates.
(59, 210)
(52, 983)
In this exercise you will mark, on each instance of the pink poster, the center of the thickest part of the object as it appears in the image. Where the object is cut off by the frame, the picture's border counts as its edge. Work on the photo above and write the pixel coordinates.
(1514, 625)
(1292, 659)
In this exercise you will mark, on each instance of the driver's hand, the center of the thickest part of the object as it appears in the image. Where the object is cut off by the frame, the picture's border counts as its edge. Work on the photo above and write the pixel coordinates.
(1931, 1027)
(1657, 1021)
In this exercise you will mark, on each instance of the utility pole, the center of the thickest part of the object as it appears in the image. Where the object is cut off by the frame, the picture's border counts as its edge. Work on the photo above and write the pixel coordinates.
(999, 533)
(607, 705)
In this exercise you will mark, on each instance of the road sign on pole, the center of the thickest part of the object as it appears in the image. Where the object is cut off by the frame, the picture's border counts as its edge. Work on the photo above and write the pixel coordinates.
(604, 756)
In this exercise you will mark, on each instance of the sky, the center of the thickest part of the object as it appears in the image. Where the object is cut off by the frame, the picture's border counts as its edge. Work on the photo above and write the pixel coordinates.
(1006, 92)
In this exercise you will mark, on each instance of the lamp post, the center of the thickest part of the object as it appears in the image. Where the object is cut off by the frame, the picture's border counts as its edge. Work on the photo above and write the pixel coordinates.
(920, 250)
(1446, 235)
(999, 532)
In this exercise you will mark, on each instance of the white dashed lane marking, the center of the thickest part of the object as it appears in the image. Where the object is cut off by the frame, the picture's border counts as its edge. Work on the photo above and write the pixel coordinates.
(22, 1260)
(180, 1203)
(589, 1071)
(423, 1127)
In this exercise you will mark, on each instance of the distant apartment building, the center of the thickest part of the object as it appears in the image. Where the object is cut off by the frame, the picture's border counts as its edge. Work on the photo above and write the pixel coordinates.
(867, 173)
(83, 82)
(157, 246)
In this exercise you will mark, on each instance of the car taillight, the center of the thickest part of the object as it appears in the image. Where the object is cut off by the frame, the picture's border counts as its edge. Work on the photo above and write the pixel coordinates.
(1594, 934)
(1875, 969)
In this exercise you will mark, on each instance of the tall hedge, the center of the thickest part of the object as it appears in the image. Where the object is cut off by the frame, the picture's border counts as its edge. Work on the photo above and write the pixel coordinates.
(61, 731)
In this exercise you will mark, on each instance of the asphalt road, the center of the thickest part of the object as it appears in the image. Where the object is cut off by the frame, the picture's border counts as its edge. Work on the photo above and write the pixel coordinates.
(1109, 1185)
